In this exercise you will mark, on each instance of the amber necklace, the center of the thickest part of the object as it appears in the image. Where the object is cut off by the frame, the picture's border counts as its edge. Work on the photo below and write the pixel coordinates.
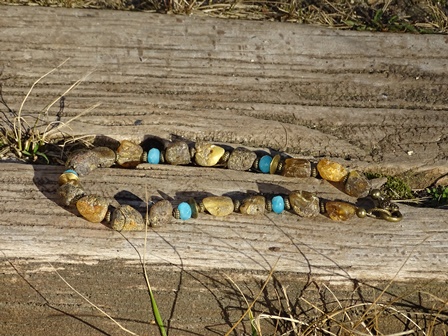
(97, 209)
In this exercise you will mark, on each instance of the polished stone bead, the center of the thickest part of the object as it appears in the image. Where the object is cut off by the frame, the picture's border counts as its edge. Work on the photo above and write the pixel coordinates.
(304, 203)
(357, 185)
(218, 205)
(339, 211)
(264, 164)
(106, 156)
(184, 211)
(160, 213)
(93, 208)
(177, 153)
(253, 205)
(278, 204)
(70, 193)
(293, 167)
(126, 218)
(129, 154)
(153, 156)
(207, 154)
(241, 159)
(331, 171)
(69, 176)
(83, 161)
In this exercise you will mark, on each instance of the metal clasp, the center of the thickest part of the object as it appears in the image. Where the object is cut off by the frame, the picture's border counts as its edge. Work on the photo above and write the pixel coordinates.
(390, 216)
(384, 209)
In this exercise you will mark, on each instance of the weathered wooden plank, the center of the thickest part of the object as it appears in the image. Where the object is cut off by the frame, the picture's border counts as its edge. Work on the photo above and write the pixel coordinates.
(377, 99)
(36, 226)
(313, 91)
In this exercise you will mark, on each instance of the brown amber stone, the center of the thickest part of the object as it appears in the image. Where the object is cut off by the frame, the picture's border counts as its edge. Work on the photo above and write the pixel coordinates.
(218, 205)
(129, 154)
(357, 185)
(177, 153)
(331, 171)
(93, 208)
(241, 159)
(70, 193)
(208, 155)
(340, 211)
(83, 161)
(253, 205)
(106, 156)
(293, 167)
(160, 213)
(304, 203)
(126, 218)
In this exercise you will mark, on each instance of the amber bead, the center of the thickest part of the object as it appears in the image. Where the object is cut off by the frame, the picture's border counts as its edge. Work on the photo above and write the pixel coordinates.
(253, 205)
(177, 153)
(129, 154)
(126, 218)
(331, 171)
(160, 213)
(339, 211)
(293, 167)
(83, 161)
(218, 205)
(357, 185)
(93, 208)
(241, 159)
(106, 156)
(70, 193)
(208, 155)
(304, 203)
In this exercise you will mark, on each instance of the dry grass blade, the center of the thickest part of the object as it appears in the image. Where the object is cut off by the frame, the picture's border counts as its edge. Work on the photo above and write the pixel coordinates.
(19, 119)
(249, 309)
(91, 303)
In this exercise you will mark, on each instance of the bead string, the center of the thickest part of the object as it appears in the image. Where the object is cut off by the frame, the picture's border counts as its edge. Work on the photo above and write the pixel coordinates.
(303, 203)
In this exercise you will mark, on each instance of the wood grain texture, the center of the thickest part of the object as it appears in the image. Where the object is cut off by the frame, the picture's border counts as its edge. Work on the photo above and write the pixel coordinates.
(35, 226)
(373, 101)
(305, 90)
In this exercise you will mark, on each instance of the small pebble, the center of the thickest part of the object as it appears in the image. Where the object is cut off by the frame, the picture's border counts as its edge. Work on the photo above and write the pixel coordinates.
(241, 159)
(253, 205)
(129, 154)
(160, 213)
(177, 153)
(93, 208)
(126, 218)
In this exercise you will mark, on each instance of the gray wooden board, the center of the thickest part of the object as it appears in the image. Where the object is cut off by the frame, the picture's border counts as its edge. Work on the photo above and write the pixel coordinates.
(379, 100)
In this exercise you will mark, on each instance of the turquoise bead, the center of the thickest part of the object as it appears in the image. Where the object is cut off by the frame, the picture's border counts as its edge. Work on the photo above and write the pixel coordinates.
(184, 211)
(153, 156)
(278, 204)
(68, 171)
(265, 163)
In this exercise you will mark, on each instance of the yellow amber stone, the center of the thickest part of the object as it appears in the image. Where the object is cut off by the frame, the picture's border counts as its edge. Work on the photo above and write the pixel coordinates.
(331, 171)
(340, 211)
(304, 203)
(253, 205)
(126, 218)
(357, 185)
(68, 178)
(218, 205)
(208, 155)
(293, 167)
(93, 208)
(129, 154)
